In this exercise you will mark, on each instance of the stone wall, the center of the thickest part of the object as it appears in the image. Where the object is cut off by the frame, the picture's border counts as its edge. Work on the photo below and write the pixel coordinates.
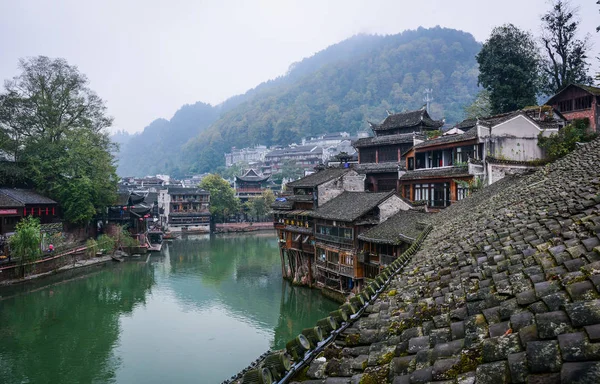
(391, 206)
(351, 181)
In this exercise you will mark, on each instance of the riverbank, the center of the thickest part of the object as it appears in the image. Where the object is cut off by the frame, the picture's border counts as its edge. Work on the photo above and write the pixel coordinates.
(68, 267)
(243, 227)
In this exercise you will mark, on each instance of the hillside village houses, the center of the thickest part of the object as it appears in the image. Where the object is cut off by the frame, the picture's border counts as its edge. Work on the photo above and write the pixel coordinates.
(335, 231)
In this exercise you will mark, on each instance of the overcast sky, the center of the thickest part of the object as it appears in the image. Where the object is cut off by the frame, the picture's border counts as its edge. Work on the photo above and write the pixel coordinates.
(147, 58)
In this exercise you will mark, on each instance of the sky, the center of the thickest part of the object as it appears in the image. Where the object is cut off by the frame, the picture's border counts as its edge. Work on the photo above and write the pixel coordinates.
(147, 58)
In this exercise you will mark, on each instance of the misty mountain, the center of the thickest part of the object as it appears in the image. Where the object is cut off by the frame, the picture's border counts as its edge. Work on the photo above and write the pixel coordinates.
(345, 85)
(337, 89)
(157, 149)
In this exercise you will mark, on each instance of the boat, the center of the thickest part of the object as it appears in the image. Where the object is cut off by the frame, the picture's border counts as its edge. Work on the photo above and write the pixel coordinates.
(155, 239)
(169, 236)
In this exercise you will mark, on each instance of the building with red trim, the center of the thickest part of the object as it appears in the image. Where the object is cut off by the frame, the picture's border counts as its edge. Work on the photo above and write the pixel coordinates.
(17, 203)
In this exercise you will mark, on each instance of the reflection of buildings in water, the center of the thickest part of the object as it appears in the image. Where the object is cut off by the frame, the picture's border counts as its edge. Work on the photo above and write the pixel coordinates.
(79, 318)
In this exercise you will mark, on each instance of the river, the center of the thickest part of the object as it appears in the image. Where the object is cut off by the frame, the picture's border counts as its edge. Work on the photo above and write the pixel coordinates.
(198, 312)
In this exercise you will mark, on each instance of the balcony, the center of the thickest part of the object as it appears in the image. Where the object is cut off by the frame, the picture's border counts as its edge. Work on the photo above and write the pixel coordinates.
(334, 239)
(345, 270)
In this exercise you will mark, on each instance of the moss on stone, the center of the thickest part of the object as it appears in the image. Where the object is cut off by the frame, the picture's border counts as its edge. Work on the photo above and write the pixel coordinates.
(302, 375)
(386, 358)
(393, 292)
(375, 375)
(352, 339)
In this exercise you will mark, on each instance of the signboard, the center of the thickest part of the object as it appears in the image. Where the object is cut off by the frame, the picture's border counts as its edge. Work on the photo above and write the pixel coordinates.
(8, 211)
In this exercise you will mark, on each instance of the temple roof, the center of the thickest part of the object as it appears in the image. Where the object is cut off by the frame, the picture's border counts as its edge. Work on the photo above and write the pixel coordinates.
(252, 176)
(404, 226)
(318, 178)
(350, 206)
(407, 120)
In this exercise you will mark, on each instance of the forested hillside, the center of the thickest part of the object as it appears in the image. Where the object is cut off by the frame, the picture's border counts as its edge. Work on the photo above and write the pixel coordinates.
(337, 89)
(388, 73)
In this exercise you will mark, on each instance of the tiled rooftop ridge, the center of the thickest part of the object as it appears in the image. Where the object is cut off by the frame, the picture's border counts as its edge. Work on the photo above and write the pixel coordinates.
(505, 289)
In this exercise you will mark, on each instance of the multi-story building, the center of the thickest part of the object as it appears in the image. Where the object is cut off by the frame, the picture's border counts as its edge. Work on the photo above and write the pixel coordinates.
(305, 156)
(382, 244)
(184, 209)
(578, 101)
(337, 226)
(442, 170)
(380, 157)
(16, 203)
(250, 184)
(246, 155)
(293, 223)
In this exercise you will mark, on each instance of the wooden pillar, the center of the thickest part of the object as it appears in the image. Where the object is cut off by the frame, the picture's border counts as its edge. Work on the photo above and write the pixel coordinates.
(309, 270)
(377, 155)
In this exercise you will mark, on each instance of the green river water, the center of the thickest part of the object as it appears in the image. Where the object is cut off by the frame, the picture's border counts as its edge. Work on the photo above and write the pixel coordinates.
(198, 312)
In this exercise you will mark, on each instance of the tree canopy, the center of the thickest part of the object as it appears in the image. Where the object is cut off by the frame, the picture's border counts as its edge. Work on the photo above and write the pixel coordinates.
(566, 57)
(54, 125)
(222, 197)
(508, 69)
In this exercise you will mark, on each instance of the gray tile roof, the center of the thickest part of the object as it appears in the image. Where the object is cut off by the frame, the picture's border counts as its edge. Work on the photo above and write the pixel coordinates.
(404, 226)
(252, 175)
(471, 134)
(8, 202)
(407, 120)
(26, 196)
(431, 173)
(350, 206)
(402, 138)
(377, 167)
(318, 178)
(186, 191)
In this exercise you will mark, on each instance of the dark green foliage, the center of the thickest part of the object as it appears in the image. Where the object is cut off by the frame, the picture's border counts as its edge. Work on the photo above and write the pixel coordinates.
(566, 58)
(559, 145)
(343, 86)
(508, 65)
(55, 127)
(25, 243)
(222, 197)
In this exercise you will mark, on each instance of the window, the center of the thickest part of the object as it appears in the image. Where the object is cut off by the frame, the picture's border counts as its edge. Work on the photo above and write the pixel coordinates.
(462, 192)
(367, 155)
(436, 195)
(411, 163)
(565, 106)
(583, 102)
(406, 192)
(420, 160)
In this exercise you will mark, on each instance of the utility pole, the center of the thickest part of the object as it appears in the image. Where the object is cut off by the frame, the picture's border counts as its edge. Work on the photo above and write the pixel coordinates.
(428, 99)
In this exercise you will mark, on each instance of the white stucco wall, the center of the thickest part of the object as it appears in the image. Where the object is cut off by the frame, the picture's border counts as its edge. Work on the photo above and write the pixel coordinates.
(351, 181)
(391, 206)
(499, 171)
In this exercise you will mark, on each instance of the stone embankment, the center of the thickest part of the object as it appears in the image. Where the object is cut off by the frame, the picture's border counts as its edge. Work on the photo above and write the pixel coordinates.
(505, 289)
(243, 227)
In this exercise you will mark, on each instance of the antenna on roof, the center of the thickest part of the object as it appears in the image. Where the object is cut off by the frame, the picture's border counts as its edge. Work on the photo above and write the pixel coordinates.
(427, 99)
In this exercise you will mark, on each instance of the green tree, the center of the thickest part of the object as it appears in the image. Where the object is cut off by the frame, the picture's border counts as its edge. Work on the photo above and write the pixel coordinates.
(508, 65)
(566, 57)
(55, 125)
(222, 197)
(25, 243)
(565, 141)
(480, 107)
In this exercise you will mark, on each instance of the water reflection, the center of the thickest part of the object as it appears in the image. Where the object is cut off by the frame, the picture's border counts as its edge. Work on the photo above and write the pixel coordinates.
(198, 312)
